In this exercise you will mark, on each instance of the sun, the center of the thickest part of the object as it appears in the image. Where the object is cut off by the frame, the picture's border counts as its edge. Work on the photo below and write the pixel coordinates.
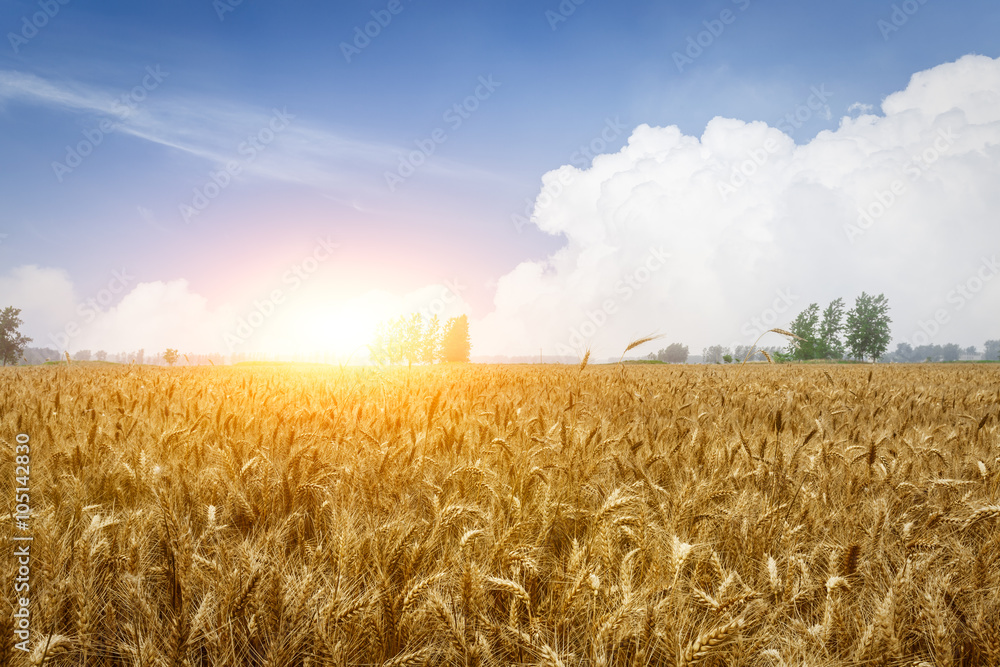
(317, 327)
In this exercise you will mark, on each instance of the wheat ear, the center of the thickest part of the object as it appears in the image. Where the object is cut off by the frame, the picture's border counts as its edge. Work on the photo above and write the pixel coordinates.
(703, 645)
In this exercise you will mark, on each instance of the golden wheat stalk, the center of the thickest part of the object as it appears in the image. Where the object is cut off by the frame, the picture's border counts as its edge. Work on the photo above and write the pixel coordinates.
(751, 351)
(374, 545)
(704, 644)
(637, 342)
(787, 333)
(49, 648)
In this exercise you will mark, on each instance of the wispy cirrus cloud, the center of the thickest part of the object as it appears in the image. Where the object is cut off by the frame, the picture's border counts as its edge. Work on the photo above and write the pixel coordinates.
(215, 130)
(31, 89)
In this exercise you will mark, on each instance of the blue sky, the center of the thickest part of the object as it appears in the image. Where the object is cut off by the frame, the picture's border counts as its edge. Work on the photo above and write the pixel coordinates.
(221, 75)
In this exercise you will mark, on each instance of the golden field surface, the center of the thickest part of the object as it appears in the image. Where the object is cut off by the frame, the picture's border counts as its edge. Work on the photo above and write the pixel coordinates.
(488, 515)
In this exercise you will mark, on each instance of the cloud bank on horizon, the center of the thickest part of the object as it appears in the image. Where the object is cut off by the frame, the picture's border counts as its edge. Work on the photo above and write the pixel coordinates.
(716, 239)
(709, 239)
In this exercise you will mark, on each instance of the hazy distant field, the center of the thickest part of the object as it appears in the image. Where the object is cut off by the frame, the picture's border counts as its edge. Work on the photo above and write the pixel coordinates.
(640, 515)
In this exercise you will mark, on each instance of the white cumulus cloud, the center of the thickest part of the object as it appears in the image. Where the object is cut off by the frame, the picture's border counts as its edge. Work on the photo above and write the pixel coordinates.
(119, 317)
(154, 316)
(752, 227)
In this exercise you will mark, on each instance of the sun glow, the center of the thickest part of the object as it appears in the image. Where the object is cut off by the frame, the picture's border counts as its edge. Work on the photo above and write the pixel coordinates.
(342, 331)
(323, 325)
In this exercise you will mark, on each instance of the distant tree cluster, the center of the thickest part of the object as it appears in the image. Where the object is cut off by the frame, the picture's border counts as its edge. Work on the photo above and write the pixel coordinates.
(906, 353)
(719, 354)
(39, 355)
(864, 334)
(740, 352)
(675, 353)
(413, 340)
(715, 354)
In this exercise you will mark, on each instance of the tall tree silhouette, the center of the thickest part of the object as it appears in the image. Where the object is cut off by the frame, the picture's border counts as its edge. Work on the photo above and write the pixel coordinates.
(455, 344)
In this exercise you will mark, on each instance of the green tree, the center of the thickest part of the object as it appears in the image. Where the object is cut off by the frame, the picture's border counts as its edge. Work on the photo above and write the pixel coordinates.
(868, 327)
(804, 326)
(829, 343)
(12, 342)
(455, 343)
(170, 356)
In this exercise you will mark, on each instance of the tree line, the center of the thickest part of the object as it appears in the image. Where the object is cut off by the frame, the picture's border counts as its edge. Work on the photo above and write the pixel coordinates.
(410, 339)
(862, 332)
(718, 354)
(906, 353)
(413, 340)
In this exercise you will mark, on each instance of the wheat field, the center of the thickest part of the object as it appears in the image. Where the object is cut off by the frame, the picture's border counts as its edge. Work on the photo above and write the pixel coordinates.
(488, 515)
